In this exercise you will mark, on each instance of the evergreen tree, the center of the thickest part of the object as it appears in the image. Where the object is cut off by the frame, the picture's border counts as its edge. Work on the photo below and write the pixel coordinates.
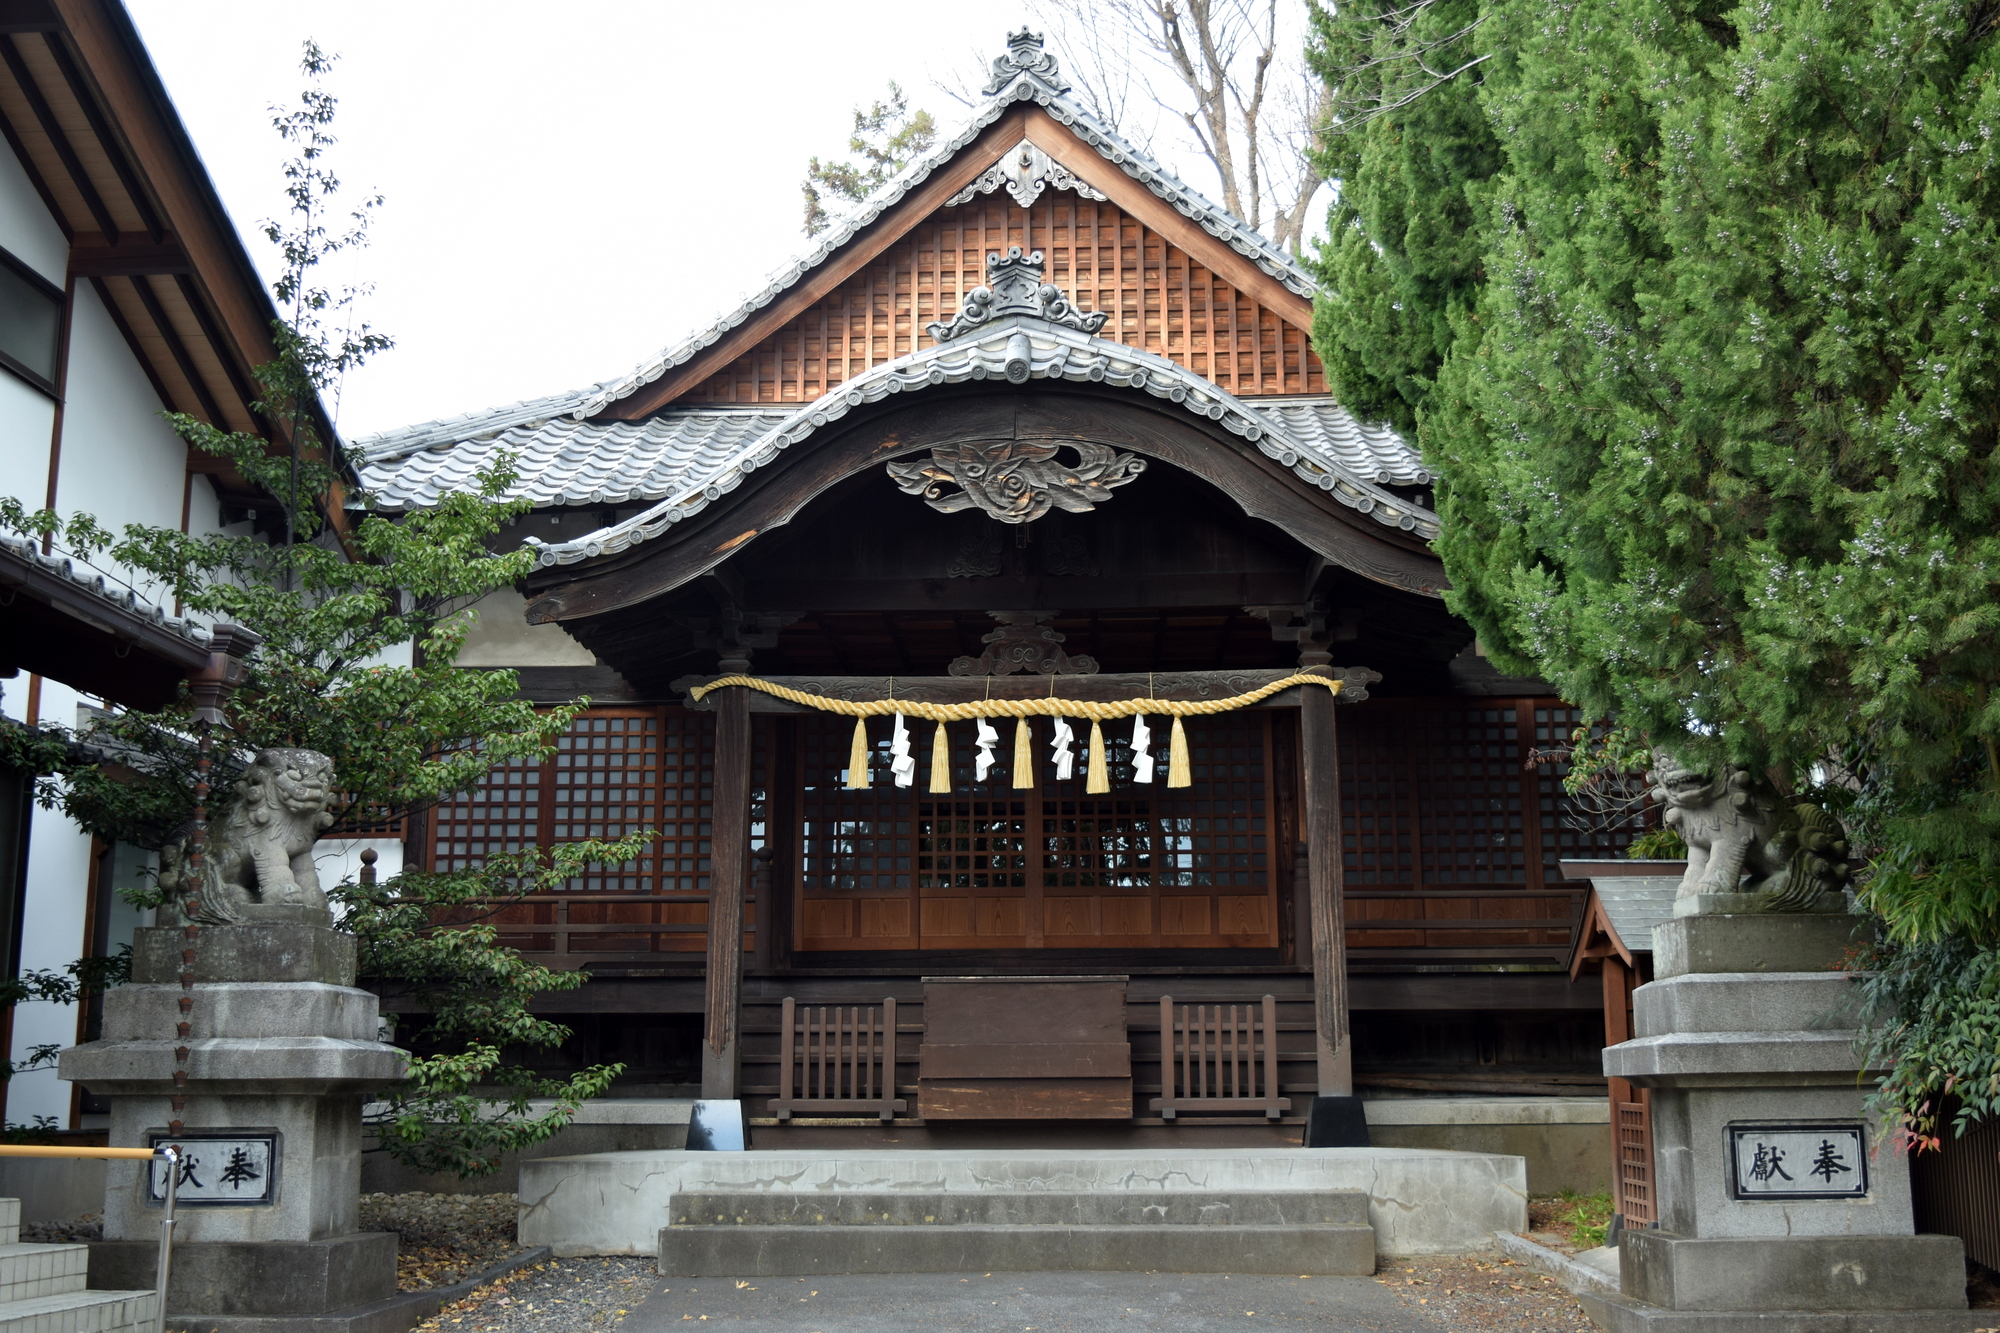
(1714, 408)
(886, 137)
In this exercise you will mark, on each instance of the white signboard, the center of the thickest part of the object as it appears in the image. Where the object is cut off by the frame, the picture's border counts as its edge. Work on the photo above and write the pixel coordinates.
(1797, 1160)
(219, 1168)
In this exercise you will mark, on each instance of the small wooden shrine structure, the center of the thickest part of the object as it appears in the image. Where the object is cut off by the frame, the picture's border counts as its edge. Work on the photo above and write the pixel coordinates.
(1038, 425)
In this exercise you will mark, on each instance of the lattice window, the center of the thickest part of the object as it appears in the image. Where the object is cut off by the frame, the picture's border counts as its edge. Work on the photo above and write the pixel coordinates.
(1216, 834)
(972, 844)
(1474, 830)
(606, 785)
(501, 814)
(1589, 827)
(853, 840)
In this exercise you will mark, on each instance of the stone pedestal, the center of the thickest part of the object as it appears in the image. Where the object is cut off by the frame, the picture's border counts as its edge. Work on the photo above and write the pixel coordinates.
(282, 1050)
(1778, 1207)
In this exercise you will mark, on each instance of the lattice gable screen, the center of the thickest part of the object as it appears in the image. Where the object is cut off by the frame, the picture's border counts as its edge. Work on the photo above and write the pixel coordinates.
(1049, 867)
(1159, 298)
(1452, 833)
(616, 771)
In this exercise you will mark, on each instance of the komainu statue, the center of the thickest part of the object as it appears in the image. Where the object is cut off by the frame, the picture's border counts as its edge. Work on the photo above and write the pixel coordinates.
(258, 864)
(1743, 839)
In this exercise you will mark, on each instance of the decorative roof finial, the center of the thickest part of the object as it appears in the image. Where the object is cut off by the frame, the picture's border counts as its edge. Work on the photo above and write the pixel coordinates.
(1025, 55)
(1015, 287)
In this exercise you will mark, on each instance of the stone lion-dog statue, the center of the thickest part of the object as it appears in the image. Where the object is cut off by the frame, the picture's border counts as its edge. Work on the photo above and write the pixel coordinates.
(257, 863)
(1743, 838)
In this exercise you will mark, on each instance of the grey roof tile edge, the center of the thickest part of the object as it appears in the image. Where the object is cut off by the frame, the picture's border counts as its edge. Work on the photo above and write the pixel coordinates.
(1027, 86)
(93, 581)
(1057, 353)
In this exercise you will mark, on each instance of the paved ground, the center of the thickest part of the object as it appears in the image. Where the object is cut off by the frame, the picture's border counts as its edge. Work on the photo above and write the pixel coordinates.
(1027, 1303)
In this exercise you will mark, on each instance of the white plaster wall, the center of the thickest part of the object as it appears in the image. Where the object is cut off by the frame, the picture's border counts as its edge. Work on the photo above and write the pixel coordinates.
(52, 925)
(26, 228)
(27, 416)
(502, 637)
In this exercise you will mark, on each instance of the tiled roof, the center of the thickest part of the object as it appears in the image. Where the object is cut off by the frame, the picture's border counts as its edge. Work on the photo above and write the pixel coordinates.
(1023, 76)
(116, 598)
(721, 446)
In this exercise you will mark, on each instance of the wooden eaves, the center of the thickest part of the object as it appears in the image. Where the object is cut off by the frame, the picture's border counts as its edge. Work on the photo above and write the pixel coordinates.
(87, 115)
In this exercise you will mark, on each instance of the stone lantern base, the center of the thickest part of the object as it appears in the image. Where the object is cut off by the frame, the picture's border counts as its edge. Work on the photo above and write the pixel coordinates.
(283, 1048)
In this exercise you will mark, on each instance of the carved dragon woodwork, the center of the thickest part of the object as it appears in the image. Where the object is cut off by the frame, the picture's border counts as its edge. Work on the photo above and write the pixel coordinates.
(1742, 838)
(1024, 643)
(257, 863)
(1014, 286)
(1015, 481)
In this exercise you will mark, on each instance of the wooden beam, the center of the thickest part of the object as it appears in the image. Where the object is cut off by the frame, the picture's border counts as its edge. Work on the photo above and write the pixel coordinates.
(46, 118)
(729, 870)
(95, 255)
(1110, 687)
(1319, 745)
(108, 140)
(204, 397)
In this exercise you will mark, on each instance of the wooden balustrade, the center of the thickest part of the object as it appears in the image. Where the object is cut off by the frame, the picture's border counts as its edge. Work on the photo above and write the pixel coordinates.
(1217, 1057)
(837, 1060)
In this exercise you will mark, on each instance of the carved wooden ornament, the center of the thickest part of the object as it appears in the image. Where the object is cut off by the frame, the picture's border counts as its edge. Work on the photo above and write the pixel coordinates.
(1015, 481)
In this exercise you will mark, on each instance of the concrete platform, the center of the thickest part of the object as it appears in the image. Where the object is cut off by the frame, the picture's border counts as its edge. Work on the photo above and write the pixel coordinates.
(768, 1233)
(1420, 1201)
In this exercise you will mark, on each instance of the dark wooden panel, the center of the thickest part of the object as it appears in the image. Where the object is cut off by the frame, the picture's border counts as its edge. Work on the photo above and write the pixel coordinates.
(1022, 1060)
(1026, 1099)
(1042, 1012)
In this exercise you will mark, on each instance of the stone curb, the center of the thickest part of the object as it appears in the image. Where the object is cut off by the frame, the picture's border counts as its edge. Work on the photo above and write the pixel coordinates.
(392, 1314)
(1573, 1277)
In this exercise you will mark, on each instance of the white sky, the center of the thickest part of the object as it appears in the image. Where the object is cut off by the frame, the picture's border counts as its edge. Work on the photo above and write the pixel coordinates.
(569, 187)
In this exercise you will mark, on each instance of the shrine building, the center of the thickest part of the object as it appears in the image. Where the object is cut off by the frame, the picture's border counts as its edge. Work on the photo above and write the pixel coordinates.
(1037, 426)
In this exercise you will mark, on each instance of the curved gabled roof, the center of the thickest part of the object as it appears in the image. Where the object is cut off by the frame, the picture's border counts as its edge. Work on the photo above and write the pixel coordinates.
(1339, 455)
(1025, 74)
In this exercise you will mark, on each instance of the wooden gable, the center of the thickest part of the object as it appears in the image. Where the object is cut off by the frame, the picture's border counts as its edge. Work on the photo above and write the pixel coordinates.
(1170, 287)
(1160, 298)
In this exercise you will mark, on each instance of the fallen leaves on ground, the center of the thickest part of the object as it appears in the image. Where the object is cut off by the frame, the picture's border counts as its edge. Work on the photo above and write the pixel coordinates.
(1475, 1291)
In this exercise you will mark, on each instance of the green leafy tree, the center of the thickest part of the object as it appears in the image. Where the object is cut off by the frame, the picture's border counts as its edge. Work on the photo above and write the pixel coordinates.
(887, 135)
(1711, 391)
(335, 608)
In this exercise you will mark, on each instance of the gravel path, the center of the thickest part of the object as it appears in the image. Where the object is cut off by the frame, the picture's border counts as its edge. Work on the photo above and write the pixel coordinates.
(1483, 1291)
(560, 1296)
(443, 1238)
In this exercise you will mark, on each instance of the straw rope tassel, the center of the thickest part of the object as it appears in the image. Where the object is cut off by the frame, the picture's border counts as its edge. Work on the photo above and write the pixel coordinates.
(1096, 779)
(857, 757)
(1178, 772)
(940, 762)
(1024, 754)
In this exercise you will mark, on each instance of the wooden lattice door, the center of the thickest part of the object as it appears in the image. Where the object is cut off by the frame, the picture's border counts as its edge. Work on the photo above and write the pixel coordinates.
(990, 867)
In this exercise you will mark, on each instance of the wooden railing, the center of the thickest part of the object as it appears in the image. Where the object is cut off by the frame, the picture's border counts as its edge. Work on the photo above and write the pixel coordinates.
(837, 1060)
(1217, 1057)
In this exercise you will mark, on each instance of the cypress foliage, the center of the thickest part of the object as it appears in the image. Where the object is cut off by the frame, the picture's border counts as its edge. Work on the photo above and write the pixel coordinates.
(1709, 379)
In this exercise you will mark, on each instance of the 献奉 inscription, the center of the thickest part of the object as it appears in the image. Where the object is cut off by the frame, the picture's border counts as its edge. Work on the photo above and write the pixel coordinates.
(1798, 1161)
(225, 1168)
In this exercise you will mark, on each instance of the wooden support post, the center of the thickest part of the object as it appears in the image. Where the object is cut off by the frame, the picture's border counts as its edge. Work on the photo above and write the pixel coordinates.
(729, 873)
(1319, 746)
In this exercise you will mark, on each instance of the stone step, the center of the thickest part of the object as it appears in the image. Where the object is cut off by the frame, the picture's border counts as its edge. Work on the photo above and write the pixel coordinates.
(799, 1251)
(27, 1271)
(80, 1312)
(1070, 1208)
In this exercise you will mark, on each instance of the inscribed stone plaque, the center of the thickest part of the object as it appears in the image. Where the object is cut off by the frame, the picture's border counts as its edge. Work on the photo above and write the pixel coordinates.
(1798, 1160)
(222, 1168)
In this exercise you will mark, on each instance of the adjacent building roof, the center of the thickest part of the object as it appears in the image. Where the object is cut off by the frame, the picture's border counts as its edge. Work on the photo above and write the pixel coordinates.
(1627, 907)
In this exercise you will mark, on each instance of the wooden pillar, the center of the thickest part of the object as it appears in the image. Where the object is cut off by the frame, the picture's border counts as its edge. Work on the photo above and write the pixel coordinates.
(729, 873)
(1319, 746)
